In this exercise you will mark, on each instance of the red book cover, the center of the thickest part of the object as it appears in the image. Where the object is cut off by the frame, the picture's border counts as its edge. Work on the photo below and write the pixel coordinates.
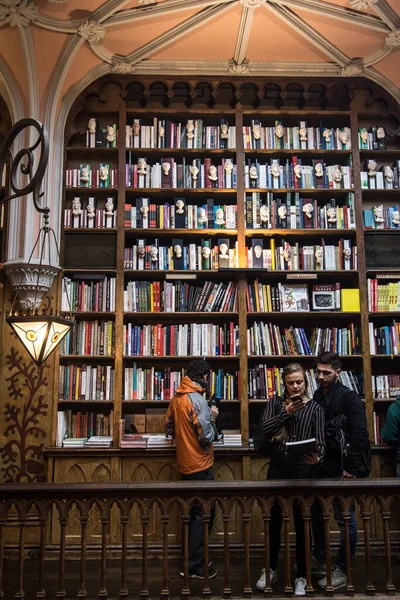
(295, 178)
(207, 181)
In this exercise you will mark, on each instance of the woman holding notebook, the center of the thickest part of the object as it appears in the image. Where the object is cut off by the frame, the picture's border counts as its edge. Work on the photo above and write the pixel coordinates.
(292, 420)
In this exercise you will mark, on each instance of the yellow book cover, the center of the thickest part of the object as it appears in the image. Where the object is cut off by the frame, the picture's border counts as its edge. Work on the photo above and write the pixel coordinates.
(350, 300)
(152, 297)
(273, 267)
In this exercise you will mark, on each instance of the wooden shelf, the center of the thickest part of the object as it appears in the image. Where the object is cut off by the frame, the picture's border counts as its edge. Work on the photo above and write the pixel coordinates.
(182, 151)
(388, 313)
(181, 315)
(94, 314)
(297, 356)
(90, 402)
(299, 232)
(92, 230)
(307, 152)
(180, 358)
(100, 190)
(373, 191)
(91, 150)
(181, 191)
(84, 357)
(155, 231)
(311, 314)
(300, 191)
(380, 231)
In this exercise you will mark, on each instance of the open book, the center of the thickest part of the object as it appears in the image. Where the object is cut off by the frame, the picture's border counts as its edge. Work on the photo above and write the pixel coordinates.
(309, 446)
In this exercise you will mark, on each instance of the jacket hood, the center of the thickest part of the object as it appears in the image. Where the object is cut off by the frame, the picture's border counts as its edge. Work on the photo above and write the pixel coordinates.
(187, 386)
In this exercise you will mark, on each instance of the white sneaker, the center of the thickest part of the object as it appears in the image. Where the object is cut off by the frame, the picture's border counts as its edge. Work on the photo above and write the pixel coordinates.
(317, 568)
(300, 586)
(339, 579)
(273, 575)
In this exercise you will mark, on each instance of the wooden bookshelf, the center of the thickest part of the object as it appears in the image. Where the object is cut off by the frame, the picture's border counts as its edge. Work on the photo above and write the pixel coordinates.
(339, 114)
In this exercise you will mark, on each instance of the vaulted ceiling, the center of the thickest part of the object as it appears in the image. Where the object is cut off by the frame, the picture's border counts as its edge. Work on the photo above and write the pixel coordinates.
(48, 47)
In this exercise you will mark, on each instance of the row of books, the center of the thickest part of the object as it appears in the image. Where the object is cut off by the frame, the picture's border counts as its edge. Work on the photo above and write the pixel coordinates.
(192, 133)
(374, 138)
(385, 178)
(379, 217)
(179, 296)
(294, 257)
(208, 255)
(379, 422)
(86, 382)
(90, 338)
(265, 382)
(295, 212)
(385, 340)
(186, 339)
(142, 383)
(298, 137)
(96, 295)
(386, 386)
(267, 339)
(180, 215)
(101, 137)
(87, 176)
(194, 174)
(383, 297)
(294, 175)
(82, 424)
(294, 297)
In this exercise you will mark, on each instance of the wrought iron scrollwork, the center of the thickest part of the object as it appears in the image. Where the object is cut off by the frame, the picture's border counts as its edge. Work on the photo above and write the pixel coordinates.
(23, 162)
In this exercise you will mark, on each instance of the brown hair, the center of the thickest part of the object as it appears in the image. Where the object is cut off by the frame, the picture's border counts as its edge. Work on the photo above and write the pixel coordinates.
(282, 436)
(289, 370)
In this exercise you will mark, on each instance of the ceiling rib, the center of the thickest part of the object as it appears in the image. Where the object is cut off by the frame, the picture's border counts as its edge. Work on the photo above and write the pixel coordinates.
(337, 12)
(173, 34)
(388, 14)
(107, 9)
(308, 32)
(243, 36)
(161, 8)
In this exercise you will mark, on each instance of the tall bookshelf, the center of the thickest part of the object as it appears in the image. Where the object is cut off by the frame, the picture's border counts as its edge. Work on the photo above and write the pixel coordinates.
(279, 190)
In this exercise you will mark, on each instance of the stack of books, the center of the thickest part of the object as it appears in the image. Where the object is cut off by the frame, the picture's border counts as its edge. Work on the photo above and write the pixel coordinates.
(158, 441)
(230, 437)
(133, 440)
(99, 441)
(74, 442)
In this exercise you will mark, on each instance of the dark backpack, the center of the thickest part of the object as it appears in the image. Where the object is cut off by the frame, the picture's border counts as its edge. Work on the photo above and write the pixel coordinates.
(354, 459)
(262, 442)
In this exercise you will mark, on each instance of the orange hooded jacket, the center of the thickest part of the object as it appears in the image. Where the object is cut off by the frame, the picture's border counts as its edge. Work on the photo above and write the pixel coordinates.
(188, 421)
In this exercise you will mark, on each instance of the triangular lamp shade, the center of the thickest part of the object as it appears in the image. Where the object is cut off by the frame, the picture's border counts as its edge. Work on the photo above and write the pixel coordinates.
(40, 334)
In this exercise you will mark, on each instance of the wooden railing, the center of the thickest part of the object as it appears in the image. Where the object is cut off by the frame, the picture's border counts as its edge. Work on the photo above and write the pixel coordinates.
(50, 505)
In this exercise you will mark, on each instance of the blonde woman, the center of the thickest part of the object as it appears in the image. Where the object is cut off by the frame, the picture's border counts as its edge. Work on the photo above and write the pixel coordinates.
(294, 417)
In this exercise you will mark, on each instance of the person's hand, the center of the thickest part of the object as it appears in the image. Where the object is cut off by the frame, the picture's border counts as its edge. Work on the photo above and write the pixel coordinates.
(347, 475)
(214, 412)
(312, 459)
(294, 406)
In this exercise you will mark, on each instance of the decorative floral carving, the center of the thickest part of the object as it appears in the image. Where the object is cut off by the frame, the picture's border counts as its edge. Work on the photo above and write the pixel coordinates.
(122, 67)
(22, 460)
(362, 4)
(18, 13)
(147, 1)
(393, 39)
(92, 31)
(352, 69)
(238, 69)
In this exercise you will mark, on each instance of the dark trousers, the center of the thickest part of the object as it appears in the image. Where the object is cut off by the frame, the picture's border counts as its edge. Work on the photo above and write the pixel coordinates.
(319, 534)
(196, 525)
(275, 537)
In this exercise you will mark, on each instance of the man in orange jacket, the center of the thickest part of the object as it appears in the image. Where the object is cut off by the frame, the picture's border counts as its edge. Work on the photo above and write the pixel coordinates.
(192, 423)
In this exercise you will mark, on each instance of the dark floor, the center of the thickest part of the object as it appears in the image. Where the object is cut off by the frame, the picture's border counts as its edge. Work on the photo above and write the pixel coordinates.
(175, 582)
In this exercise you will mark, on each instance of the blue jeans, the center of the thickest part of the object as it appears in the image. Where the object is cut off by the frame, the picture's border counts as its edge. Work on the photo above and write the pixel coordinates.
(319, 534)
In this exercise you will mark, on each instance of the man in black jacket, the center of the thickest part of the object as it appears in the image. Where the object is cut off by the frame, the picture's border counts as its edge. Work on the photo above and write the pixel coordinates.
(337, 399)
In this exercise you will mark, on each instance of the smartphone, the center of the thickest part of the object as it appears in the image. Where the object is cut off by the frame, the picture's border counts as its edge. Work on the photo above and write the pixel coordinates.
(295, 399)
